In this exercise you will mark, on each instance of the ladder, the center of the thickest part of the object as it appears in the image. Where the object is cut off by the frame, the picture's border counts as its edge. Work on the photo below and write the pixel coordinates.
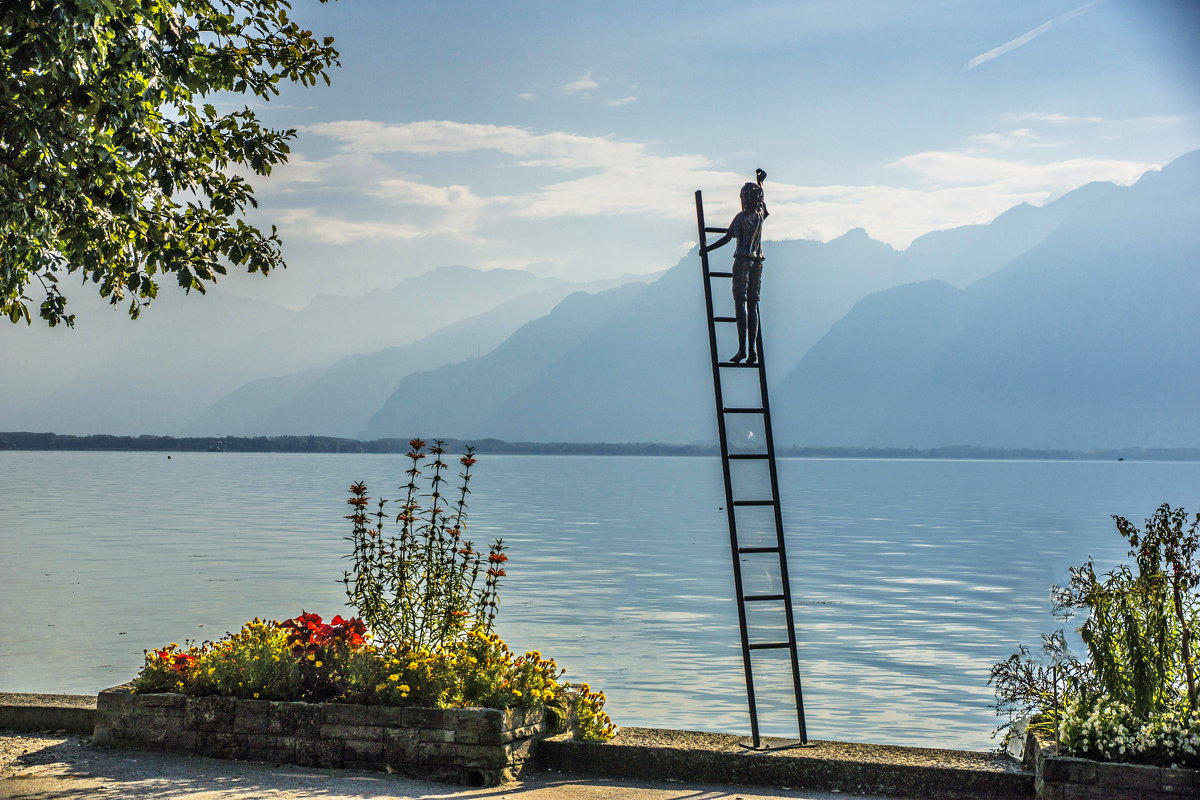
(774, 555)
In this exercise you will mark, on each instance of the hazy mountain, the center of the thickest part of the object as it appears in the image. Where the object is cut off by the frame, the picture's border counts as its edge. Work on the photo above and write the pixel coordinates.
(634, 367)
(1088, 339)
(155, 374)
(337, 400)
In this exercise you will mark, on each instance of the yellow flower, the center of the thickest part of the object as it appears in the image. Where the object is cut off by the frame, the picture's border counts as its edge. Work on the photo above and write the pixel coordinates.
(404, 690)
(256, 695)
(393, 678)
(312, 657)
(517, 692)
(318, 664)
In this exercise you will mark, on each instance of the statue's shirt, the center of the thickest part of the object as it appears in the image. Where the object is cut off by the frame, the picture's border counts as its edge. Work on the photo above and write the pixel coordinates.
(747, 227)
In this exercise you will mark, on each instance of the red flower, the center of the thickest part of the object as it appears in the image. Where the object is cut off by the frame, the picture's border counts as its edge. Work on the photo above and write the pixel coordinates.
(466, 461)
(416, 444)
(497, 558)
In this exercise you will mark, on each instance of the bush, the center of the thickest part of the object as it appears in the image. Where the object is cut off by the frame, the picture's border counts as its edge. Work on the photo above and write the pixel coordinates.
(418, 582)
(306, 659)
(1134, 697)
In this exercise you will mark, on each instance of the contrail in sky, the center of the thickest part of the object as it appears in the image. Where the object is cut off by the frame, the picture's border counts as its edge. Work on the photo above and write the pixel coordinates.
(1031, 35)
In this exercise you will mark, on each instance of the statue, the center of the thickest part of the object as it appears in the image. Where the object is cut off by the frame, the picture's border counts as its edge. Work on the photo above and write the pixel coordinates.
(747, 266)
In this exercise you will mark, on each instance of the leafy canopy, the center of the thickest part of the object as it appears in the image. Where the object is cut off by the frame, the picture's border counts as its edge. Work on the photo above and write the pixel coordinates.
(112, 166)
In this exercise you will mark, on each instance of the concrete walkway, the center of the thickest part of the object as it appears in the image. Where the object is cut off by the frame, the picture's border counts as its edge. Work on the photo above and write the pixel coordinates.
(64, 767)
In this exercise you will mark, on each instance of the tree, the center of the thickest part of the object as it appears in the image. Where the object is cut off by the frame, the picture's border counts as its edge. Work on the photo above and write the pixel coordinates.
(113, 166)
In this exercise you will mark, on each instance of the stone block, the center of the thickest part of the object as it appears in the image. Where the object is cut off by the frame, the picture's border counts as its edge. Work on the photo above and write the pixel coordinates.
(519, 751)
(363, 754)
(400, 746)
(213, 714)
(435, 735)
(326, 753)
(426, 718)
(368, 733)
(180, 740)
(1129, 776)
(345, 714)
(1064, 769)
(264, 747)
(166, 702)
(116, 699)
(220, 744)
(479, 729)
(1178, 779)
(464, 755)
(296, 719)
(254, 716)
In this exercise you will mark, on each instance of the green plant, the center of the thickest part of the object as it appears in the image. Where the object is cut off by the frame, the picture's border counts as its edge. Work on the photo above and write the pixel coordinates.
(1139, 676)
(420, 582)
(114, 168)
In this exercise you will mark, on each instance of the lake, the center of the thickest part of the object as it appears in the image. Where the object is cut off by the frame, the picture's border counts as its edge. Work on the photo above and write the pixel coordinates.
(911, 578)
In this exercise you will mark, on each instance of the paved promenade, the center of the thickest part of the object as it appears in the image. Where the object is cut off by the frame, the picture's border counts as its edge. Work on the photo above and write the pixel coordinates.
(64, 767)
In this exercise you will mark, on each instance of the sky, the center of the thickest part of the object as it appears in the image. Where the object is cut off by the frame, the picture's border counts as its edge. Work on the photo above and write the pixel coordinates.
(568, 138)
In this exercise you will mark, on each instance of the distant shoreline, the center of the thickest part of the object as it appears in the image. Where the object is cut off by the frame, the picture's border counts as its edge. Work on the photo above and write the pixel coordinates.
(21, 440)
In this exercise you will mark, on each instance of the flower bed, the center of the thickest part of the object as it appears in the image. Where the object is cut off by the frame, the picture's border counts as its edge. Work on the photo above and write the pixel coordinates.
(420, 684)
(470, 746)
(1068, 778)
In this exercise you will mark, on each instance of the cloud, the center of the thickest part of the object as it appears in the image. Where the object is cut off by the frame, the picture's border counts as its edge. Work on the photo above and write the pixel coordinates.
(1051, 119)
(623, 101)
(1029, 36)
(528, 97)
(317, 225)
(570, 178)
(582, 85)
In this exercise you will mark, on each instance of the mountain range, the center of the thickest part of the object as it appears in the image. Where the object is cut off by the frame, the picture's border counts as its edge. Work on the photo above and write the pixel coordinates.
(1067, 325)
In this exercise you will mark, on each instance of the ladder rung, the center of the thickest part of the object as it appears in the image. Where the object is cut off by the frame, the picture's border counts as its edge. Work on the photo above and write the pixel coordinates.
(754, 502)
(716, 230)
(738, 364)
(768, 645)
(740, 410)
(750, 598)
(742, 550)
(720, 274)
(748, 455)
(724, 319)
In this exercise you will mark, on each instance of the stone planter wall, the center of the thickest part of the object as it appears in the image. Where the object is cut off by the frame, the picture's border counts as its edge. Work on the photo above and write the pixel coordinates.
(470, 746)
(1066, 778)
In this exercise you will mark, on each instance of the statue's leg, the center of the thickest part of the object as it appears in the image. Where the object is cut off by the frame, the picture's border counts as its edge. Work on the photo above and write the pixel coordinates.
(739, 305)
(753, 286)
(751, 334)
(739, 313)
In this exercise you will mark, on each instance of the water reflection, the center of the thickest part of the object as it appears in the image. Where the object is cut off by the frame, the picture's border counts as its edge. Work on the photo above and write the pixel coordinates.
(910, 577)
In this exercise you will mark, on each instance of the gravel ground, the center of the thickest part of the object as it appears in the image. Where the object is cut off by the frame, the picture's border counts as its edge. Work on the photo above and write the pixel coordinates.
(62, 767)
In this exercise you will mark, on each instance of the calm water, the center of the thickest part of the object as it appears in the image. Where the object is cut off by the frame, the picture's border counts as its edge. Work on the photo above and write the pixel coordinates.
(911, 577)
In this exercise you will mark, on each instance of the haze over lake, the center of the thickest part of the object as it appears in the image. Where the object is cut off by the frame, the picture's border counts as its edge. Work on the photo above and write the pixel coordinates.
(910, 577)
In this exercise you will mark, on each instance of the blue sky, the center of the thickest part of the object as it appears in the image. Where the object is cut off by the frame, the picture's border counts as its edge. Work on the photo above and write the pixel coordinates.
(567, 137)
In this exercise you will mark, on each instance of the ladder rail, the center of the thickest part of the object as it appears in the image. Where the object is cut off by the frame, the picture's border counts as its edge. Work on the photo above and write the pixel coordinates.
(730, 511)
(785, 582)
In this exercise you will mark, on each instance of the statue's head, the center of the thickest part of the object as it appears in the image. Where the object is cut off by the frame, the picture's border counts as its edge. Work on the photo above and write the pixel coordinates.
(752, 196)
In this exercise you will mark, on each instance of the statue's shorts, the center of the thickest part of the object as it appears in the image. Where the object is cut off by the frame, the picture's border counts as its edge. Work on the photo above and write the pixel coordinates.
(747, 278)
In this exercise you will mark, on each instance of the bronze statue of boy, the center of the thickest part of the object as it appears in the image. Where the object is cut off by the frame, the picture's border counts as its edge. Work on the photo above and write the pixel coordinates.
(747, 266)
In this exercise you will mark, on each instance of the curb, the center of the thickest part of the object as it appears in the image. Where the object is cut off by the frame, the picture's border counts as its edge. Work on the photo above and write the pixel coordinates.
(829, 766)
(656, 754)
(33, 713)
